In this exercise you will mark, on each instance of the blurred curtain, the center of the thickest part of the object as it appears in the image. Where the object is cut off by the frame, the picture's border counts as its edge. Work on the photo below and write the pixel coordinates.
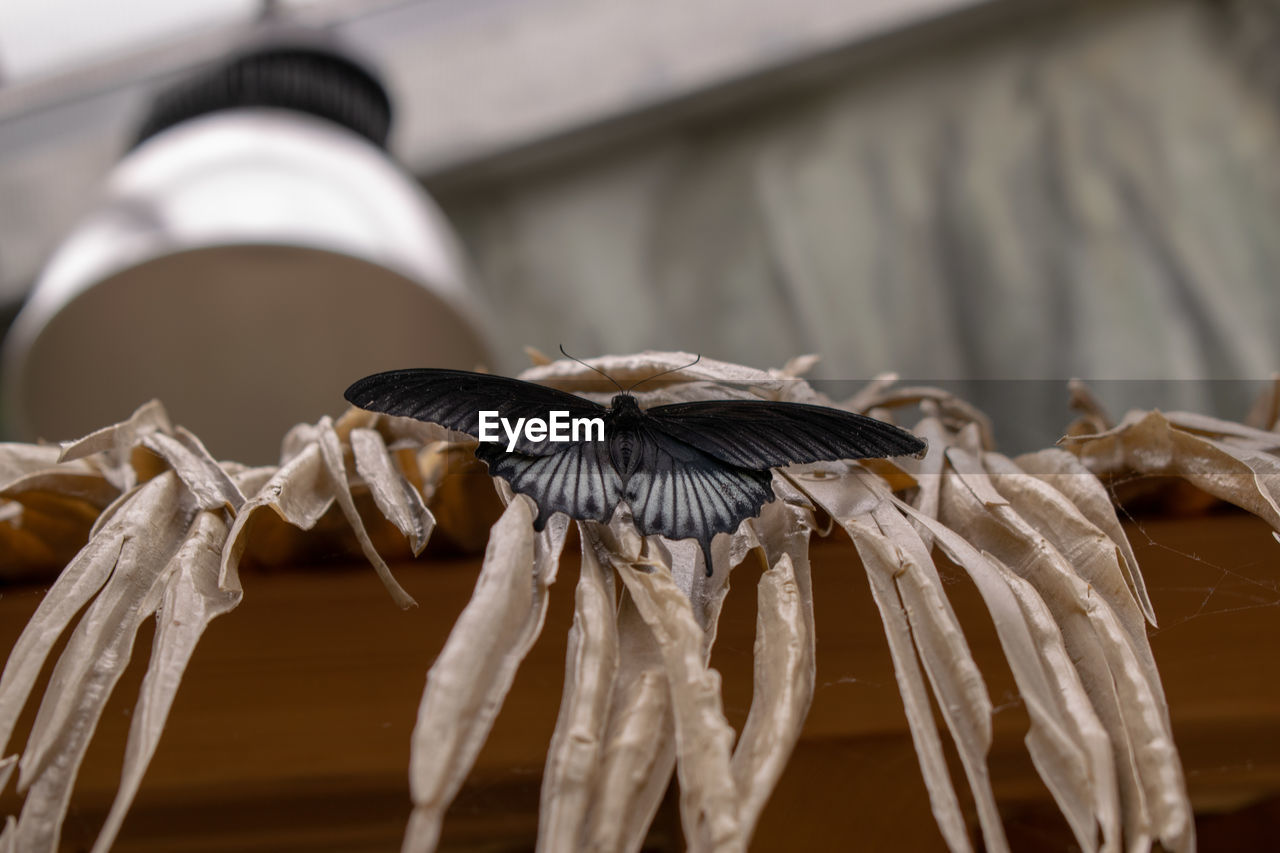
(1093, 194)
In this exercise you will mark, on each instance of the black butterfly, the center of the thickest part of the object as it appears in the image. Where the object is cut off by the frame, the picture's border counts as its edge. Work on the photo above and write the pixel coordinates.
(687, 471)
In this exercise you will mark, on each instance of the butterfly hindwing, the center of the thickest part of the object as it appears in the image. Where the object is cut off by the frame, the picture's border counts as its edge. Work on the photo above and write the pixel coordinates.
(682, 493)
(455, 398)
(577, 479)
(759, 434)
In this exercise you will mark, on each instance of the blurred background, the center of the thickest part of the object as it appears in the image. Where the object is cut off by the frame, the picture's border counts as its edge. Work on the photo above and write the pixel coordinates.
(996, 195)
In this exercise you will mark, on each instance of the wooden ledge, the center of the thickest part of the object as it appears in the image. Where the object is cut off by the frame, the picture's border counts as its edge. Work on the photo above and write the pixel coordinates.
(291, 730)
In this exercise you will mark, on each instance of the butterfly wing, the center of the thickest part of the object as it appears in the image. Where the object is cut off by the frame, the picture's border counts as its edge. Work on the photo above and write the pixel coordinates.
(455, 398)
(577, 479)
(681, 492)
(760, 434)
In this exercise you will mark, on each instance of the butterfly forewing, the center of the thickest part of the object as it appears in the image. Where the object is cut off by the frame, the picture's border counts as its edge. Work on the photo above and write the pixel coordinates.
(455, 398)
(759, 434)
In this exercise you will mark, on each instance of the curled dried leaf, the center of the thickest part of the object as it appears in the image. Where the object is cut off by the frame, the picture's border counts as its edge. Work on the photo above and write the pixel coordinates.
(78, 583)
(211, 486)
(574, 758)
(829, 489)
(708, 795)
(331, 453)
(626, 370)
(65, 483)
(954, 411)
(1067, 742)
(92, 662)
(1066, 473)
(1149, 443)
(639, 749)
(1153, 793)
(473, 672)
(113, 447)
(192, 598)
(1092, 554)
(783, 688)
(395, 496)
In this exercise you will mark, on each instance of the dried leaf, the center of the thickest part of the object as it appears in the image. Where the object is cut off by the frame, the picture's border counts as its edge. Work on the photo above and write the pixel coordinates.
(935, 402)
(142, 510)
(300, 492)
(591, 665)
(1092, 554)
(47, 509)
(1150, 444)
(1067, 742)
(708, 796)
(1153, 794)
(40, 534)
(114, 445)
(915, 700)
(69, 482)
(1247, 436)
(639, 750)
(331, 453)
(192, 599)
(395, 496)
(928, 472)
(783, 688)
(850, 503)
(1066, 473)
(962, 695)
(90, 665)
(200, 473)
(473, 672)
(625, 370)
(640, 746)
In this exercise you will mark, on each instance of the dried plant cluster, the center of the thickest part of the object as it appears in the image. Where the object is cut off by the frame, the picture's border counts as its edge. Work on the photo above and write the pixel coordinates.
(1038, 536)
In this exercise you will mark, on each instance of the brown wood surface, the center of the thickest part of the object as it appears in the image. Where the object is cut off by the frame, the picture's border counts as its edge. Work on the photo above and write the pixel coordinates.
(291, 730)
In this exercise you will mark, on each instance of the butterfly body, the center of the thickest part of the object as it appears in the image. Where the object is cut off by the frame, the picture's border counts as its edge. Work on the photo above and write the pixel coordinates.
(620, 426)
(687, 470)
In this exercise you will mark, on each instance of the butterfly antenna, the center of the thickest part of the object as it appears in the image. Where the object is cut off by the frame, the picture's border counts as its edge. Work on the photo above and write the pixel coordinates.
(596, 369)
(663, 373)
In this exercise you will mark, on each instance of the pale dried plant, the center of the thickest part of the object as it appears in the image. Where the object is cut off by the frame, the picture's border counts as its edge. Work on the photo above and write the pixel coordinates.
(1038, 536)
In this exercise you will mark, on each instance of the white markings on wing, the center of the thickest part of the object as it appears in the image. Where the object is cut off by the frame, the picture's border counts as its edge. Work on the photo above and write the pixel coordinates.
(578, 480)
(682, 493)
